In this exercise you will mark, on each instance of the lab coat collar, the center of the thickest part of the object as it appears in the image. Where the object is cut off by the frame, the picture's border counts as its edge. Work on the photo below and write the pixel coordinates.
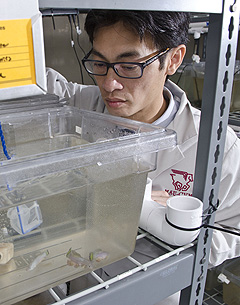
(185, 127)
(184, 123)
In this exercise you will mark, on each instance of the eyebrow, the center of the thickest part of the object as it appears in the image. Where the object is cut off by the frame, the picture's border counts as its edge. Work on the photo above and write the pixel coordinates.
(119, 57)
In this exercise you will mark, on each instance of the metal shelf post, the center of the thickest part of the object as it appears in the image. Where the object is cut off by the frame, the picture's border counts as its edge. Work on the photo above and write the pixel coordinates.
(220, 62)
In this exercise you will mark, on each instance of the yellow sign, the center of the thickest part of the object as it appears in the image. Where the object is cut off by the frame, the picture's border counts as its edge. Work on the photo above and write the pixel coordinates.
(16, 53)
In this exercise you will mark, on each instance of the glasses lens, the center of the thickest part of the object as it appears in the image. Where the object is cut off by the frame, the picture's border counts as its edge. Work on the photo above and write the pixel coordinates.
(128, 70)
(123, 69)
(96, 67)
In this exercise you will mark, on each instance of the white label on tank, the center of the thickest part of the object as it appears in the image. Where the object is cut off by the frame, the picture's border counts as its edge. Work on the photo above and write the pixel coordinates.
(78, 129)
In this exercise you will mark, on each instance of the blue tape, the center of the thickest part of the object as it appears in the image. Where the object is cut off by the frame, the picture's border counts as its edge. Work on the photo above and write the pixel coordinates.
(3, 143)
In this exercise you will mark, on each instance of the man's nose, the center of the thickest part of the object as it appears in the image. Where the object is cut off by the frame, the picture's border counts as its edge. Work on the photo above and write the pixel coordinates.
(112, 81)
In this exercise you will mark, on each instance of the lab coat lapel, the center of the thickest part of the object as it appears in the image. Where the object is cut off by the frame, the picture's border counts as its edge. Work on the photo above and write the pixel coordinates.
(185, 124)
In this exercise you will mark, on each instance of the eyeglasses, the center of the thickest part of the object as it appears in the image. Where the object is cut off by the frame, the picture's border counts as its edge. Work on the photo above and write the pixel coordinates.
(130, 70)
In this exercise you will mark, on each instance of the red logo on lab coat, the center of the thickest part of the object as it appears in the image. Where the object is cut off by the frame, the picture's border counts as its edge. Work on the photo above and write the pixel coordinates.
(181, 180)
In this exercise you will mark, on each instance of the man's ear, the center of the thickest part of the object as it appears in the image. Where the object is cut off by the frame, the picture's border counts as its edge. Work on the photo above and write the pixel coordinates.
(175, 59)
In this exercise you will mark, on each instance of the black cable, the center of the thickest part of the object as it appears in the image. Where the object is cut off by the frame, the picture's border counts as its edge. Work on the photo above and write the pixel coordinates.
(202, 226)
(74, 49)
(77, 26)
(220, 229)
(196, 46)
(195, 81)
(53, 21)
(181, 74)
(236, 72)
(78, 42)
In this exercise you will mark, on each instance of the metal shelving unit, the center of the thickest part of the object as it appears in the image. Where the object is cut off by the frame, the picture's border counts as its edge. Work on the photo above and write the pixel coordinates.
(151, 285)
(138, 278)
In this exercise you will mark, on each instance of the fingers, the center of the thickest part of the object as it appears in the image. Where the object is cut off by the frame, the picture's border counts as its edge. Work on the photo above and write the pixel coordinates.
(160, 197)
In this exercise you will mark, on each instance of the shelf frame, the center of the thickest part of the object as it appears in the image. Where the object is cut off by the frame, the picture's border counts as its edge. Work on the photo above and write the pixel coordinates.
(203, 6)
(216, 99)
(220, 61)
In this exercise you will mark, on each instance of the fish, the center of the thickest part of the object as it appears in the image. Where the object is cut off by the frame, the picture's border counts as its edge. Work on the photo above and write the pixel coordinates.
(98, 255)
(37, 260)
(75, 259)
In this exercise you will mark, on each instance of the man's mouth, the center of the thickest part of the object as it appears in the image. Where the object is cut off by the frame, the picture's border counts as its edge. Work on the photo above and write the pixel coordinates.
(115, 102)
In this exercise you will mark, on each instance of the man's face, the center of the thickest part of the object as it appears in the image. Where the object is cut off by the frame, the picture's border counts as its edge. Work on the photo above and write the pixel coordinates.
(138, 99)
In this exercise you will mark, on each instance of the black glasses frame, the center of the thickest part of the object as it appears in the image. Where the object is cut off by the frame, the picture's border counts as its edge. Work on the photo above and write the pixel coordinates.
(112, 65)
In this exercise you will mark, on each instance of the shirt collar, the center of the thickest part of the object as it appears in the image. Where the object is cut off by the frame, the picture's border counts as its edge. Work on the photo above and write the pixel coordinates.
(167, 117)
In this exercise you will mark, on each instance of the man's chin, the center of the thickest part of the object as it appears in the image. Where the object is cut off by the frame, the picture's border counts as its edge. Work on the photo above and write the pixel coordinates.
(118, 112)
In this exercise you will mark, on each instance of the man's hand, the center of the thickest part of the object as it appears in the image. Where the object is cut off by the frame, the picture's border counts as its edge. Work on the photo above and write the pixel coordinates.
(160, 197)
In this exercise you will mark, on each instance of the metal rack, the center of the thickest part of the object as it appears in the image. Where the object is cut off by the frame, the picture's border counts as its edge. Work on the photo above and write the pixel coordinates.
(220, 60)
(141, 270)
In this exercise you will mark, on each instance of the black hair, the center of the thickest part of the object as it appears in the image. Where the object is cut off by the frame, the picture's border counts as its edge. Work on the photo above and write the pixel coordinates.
(168, 29)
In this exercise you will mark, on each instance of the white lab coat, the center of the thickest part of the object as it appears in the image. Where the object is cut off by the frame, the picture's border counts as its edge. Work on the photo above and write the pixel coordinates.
(175, 167)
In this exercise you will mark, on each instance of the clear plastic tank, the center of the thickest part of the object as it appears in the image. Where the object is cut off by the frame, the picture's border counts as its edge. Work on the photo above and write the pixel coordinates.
(84, 173)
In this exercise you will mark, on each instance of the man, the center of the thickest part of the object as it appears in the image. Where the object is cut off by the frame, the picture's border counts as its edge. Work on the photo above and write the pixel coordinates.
(132, 56)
